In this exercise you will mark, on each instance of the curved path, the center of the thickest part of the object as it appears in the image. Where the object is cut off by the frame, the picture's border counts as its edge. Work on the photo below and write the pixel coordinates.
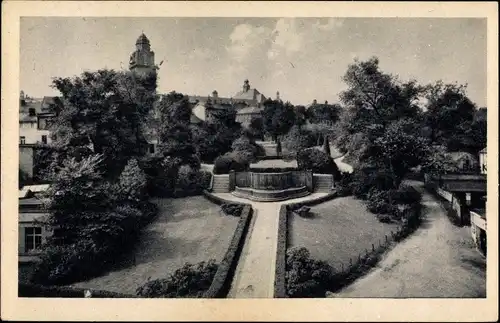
(254, 276)
(438, 260)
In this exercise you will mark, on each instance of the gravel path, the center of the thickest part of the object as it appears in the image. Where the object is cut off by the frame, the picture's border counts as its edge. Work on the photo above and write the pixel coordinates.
(254, 276)
(438, 260)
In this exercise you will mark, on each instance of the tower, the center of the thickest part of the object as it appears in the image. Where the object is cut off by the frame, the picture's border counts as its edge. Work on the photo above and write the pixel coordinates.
(142, 61)
(246, 86)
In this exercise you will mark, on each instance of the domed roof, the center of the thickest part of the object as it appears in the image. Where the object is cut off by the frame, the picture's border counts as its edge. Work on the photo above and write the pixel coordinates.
(142, 39)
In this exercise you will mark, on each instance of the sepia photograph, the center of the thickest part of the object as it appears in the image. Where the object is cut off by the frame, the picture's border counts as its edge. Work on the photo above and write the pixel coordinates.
(235, 157)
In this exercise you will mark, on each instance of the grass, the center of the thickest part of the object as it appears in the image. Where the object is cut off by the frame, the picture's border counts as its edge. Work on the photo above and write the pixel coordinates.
(188, 229)
(338, 230)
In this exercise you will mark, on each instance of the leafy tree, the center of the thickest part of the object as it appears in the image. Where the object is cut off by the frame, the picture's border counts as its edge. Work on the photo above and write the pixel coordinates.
(451, 118)
(297, 139)
(256, 128)
(278, 117)
(397, 150)
(104, 113)
(324, 113)
(300, 115)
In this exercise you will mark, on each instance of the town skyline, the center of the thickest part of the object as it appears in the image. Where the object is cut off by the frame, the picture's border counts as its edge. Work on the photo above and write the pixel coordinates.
(302, 58)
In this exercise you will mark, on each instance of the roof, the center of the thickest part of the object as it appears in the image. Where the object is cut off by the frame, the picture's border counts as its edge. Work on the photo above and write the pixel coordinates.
(36, 188)
(457, 155)
(32, 216)
(250, 110)
(251, 94)
(142, 39)
(483, 151)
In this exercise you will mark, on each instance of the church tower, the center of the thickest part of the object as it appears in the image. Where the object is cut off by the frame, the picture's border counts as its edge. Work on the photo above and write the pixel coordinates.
(142, 61)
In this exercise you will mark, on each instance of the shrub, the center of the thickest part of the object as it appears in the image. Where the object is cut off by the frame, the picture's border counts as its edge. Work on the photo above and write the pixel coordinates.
(297, 139)
(132, 182)
(161, 175)
(206, 177)
(306, 277)
(317, 161)
(232, 209)
(237, 161)
(366, 178)
(344, 184)
(189, 182)
(378, 202)
(407, 195)
(188, 281)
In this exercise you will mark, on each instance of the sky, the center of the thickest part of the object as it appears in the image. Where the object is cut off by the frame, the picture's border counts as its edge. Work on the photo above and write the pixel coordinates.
(302, 58)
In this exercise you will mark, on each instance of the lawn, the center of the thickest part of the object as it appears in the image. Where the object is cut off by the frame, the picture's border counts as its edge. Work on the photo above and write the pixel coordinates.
(186, 230)
(338, 230)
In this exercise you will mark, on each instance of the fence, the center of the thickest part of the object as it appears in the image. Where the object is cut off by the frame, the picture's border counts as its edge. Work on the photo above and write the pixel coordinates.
(346, 273)
(272, 181)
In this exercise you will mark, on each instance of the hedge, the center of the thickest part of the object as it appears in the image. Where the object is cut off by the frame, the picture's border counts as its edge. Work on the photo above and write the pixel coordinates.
(280, 271)
(224, 275)
(33, 290)
(319, 200)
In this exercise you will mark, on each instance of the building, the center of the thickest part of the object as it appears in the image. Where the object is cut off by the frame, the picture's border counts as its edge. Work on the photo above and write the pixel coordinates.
(248, 103)
(482, 161)
(142, 60)
(465, 162)
(31, 232)
(35, 116)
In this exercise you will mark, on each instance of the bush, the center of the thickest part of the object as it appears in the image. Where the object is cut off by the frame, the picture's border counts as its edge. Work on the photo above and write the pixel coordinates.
(237, 161)
(161, 175)
(296, 140)
(344, 184)
(188, 281)
(306, 277)
(317, 161)
(378, 202)
(132, 182)
(407, 195)
(366, 178)
(232, 209)
(189, 182)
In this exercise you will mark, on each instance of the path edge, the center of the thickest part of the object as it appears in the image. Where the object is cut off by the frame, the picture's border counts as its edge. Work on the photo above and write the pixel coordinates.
(224, 275)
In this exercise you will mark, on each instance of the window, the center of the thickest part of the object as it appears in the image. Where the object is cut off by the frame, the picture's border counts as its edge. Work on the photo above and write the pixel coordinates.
(32, 112)
(151, 148)
(32, 238)
(22, 140)
(44, 139)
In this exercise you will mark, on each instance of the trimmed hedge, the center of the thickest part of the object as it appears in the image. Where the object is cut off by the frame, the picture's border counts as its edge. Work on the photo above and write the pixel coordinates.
(319, 200)
(33, 290)
(223, 277)
(280, 271)
(225, 273)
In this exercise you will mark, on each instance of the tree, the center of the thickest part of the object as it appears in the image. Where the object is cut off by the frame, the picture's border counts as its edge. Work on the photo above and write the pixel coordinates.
(397, 150)
(278, 117)
(324, 113)
(450, 118)
(104, 112)
(300, 115)
(256, 128)
(297, 139)
(374, 101)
